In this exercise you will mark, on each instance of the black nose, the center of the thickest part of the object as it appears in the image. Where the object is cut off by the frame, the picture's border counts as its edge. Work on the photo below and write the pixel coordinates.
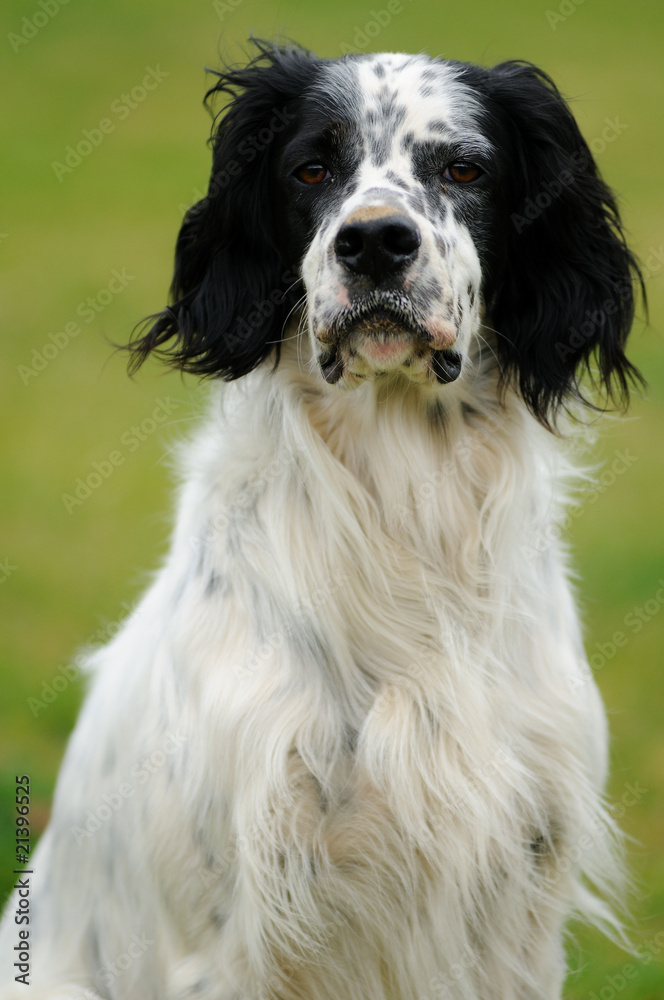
(378, 247)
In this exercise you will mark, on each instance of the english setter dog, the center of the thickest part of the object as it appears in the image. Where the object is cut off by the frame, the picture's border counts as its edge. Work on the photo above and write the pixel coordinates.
(348, 745)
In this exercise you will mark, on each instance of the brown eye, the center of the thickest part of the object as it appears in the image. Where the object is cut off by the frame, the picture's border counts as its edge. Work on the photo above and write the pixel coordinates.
(313, 173)
(462, 173)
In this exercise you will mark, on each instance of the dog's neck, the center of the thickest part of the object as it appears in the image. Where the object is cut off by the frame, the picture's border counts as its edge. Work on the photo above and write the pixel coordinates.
(387, 466)
(426, 455)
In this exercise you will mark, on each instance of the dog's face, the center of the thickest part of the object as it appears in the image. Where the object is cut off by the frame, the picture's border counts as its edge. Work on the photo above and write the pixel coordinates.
(390, 202)
(411, 209)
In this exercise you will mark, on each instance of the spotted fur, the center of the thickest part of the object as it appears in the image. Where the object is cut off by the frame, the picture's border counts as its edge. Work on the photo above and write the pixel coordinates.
(348, 744)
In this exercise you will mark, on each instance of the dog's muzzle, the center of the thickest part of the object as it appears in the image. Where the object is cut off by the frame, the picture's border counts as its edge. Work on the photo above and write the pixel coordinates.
(380, 328)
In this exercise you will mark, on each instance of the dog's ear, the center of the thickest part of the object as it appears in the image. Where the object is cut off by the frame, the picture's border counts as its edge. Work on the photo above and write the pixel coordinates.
(565, 302)
(232, 290)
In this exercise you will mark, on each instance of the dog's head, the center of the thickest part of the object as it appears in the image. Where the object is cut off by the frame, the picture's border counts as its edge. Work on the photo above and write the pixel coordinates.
(411, 207)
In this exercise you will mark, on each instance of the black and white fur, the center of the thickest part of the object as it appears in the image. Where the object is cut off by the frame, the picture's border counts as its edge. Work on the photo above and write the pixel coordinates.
(361, 751)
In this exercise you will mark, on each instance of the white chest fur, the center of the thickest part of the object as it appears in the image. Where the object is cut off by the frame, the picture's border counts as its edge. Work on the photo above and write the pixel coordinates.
(390, 698)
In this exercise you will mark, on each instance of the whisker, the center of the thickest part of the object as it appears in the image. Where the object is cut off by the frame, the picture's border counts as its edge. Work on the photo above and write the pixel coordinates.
(296, 305)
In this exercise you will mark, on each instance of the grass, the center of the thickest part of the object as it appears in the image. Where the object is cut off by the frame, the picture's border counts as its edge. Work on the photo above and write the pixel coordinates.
(67, 574)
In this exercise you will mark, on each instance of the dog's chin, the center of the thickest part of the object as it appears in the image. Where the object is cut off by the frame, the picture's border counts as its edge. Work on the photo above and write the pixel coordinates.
(381, 344)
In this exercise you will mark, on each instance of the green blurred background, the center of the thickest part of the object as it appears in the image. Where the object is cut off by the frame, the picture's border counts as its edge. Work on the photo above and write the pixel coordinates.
(66, 233)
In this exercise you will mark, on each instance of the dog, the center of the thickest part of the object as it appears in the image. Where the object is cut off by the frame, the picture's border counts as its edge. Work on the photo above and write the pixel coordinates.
(348, 745)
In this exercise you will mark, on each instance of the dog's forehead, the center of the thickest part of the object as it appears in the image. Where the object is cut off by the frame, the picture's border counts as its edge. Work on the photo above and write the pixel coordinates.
(400, 100)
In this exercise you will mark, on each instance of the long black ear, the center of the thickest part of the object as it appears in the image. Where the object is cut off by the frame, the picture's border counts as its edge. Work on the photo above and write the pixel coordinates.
(232, 290)
(566, 301)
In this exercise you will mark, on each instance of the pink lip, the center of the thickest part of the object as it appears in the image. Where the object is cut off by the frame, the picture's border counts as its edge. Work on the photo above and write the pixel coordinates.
(392, 352)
